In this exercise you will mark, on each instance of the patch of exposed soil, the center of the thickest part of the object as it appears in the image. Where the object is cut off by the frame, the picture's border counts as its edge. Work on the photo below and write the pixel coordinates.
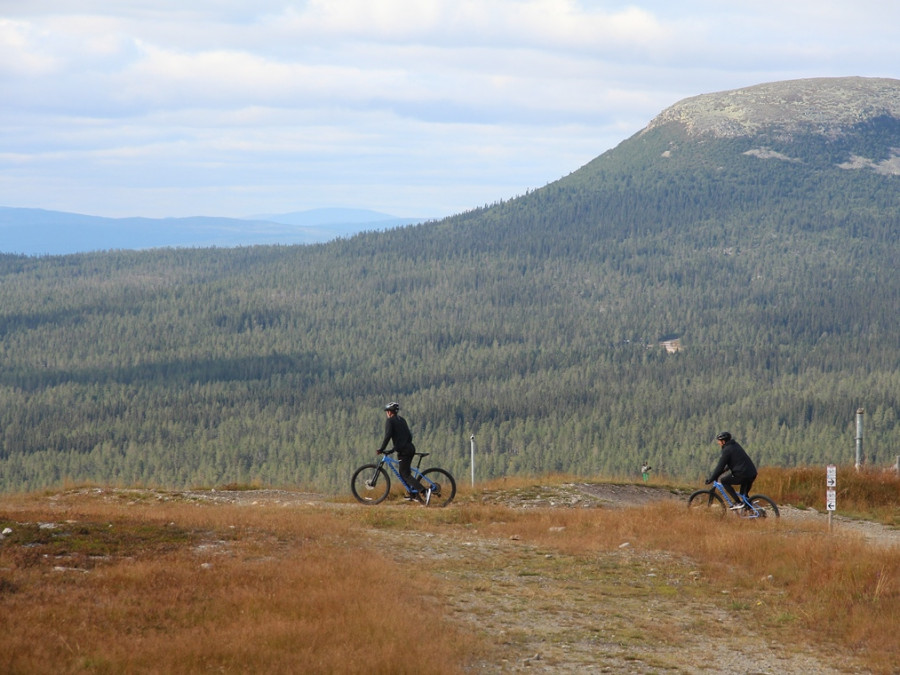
(621, 496)
(581, 495)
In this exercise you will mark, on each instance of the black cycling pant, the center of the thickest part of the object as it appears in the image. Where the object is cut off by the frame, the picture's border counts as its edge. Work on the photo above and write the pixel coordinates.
(405, 458)
(728, 479)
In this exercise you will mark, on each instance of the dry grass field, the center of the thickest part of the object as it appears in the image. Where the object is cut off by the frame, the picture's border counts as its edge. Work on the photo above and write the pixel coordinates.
(515, 576)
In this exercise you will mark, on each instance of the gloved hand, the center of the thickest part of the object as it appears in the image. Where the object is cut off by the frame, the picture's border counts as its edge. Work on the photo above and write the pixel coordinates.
(379, 451)
(707, 481)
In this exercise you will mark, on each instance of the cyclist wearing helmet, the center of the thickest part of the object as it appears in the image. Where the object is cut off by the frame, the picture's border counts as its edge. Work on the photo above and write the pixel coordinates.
(397, 431)
(741, 470)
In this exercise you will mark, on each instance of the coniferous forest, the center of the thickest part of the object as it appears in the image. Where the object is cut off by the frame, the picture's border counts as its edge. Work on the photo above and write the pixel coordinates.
(534, 324)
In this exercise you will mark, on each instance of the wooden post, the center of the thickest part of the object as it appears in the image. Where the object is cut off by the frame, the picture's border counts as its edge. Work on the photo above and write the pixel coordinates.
(830, 492)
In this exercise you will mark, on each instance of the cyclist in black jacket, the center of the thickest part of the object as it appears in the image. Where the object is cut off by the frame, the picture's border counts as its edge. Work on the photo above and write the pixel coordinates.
(742, 470)
(397, 431)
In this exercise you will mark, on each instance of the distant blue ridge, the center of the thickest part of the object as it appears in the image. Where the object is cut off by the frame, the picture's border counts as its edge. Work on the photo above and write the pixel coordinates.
(43, 232)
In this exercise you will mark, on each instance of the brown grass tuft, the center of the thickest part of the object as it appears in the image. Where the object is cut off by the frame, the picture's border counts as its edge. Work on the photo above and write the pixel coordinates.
(868, 493)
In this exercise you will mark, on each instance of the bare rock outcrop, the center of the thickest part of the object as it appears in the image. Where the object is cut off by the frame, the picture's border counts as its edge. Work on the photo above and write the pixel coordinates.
(826, 106)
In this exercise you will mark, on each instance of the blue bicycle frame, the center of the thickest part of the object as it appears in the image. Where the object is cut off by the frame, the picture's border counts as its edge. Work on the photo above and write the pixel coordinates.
(394, 466)
(749, 510)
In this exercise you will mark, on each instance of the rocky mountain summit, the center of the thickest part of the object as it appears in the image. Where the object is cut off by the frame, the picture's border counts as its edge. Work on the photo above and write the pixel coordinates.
(822, 105)
(779, 113)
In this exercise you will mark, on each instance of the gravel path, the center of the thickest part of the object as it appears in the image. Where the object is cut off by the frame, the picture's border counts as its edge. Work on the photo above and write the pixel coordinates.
(875, 533)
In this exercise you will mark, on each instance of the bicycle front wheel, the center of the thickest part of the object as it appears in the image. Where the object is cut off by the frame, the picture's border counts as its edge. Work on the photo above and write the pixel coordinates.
(708, 500)
(443, 487)
(370, 484)
(765, 506)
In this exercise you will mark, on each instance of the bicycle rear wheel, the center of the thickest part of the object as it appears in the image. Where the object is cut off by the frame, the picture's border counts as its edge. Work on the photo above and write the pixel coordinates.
(707, 500)
(765, 506)
(443, 487)
(370, 484)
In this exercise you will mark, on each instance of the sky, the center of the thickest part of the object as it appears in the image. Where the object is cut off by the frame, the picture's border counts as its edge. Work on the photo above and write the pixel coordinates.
(414, 108)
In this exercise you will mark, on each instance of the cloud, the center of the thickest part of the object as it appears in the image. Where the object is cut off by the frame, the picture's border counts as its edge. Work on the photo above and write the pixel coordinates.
(20, 51)
(475, 23)
(405, 106)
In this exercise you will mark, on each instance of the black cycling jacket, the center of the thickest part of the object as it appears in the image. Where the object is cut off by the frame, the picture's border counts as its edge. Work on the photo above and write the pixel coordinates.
(735, 458)
(397, 430)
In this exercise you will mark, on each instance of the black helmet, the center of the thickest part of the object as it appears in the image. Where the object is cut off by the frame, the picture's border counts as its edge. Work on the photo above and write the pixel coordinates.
(393, 406)
(724, 436)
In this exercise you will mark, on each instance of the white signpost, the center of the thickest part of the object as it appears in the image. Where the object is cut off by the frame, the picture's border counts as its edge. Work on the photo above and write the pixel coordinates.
(472, 457)
(830, 493)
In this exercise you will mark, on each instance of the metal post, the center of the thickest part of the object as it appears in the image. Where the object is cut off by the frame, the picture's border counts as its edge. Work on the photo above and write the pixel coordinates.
(859, 437)
(472, 453)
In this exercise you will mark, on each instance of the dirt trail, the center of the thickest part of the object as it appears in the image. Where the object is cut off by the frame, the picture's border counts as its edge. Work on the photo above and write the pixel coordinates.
(627, 611)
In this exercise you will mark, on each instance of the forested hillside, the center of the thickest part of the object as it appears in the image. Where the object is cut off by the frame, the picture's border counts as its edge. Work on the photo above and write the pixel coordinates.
(534, 324)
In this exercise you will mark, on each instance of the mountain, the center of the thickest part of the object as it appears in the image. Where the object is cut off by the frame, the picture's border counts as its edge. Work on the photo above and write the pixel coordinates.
(732, 266)
(42, 232)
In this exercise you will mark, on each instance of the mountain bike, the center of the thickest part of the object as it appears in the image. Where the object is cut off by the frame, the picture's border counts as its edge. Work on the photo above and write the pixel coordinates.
(717, 500)
(371, 483)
